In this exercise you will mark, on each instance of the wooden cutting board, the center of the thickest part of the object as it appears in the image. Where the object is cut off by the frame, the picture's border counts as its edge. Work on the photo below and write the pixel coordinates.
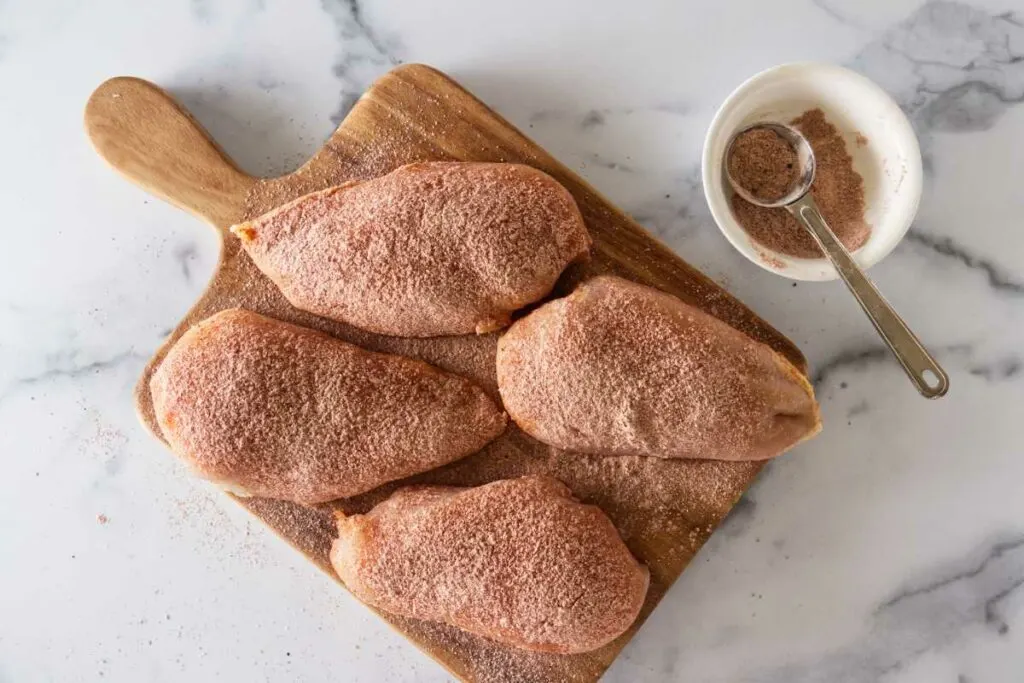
(665, 510)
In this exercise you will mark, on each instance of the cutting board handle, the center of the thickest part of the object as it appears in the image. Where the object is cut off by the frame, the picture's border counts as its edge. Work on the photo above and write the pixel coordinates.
(152, 140)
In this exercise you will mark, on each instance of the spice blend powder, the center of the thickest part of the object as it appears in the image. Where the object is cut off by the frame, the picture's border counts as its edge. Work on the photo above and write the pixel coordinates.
(838, 190)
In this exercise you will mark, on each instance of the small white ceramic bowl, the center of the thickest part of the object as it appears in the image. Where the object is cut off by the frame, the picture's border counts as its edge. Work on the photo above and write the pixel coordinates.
(890, 161)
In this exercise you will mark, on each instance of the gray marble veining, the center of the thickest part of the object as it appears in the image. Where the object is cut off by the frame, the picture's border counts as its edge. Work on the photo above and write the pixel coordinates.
(362, 54)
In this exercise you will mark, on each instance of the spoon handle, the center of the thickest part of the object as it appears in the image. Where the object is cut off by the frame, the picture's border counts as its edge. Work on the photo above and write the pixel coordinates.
(915, 359)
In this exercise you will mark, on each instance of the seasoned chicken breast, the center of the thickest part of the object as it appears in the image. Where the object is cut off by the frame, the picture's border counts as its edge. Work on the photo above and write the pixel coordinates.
(269, 409)
(618, 368)
(518, 561)
(430, 249)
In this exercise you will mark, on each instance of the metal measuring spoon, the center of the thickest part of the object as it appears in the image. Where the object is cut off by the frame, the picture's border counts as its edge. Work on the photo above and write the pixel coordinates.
(926, 374)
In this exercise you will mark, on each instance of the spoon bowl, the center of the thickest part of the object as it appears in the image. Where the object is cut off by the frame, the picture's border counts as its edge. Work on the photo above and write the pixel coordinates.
(805, 159)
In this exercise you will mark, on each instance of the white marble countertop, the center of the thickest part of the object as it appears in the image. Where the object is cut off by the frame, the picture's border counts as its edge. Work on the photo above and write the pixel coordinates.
(891, 548)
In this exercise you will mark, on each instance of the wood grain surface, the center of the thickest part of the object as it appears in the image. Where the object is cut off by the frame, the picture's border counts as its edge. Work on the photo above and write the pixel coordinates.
(665, 510)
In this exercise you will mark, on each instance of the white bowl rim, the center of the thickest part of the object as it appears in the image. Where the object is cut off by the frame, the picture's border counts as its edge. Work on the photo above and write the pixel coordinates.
(879, 245)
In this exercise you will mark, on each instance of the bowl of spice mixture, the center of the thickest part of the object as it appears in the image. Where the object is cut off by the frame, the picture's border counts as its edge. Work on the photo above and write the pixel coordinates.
(867, 180)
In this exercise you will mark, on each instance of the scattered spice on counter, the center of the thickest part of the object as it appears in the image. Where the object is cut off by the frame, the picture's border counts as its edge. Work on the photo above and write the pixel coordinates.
(764, 164)
(838, 190)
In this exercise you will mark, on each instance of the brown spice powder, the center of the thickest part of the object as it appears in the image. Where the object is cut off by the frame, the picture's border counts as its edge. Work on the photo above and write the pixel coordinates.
(764, 164)
(838, 189)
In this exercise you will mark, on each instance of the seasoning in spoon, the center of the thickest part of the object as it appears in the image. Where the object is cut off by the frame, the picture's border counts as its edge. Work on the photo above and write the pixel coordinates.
(838, 190)
(764, 164)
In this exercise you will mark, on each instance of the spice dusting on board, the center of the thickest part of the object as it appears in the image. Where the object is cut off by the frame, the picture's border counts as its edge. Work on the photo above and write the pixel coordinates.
(838, 190)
